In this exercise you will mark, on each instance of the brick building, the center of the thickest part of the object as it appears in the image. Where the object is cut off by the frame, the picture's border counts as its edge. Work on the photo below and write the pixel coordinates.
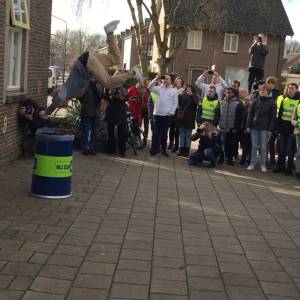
(222, 35)
(24, 58)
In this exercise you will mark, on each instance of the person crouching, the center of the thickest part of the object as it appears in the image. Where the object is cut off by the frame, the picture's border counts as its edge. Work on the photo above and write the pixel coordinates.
(210, 146)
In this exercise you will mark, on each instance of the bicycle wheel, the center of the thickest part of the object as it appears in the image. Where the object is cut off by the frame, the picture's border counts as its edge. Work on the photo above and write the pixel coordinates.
(140, 140)
(132, 143)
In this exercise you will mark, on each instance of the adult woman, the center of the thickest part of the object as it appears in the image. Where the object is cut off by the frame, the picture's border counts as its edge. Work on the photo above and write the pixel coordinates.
(185, 119)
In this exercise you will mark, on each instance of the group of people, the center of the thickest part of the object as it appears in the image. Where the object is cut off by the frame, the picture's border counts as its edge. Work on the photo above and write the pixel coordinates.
(262, 122)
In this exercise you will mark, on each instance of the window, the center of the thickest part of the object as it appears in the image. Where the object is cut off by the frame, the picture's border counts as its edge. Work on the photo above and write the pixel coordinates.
(15, 58)
(237, 73)
(231, 43)
(194, 41)
(19, 13)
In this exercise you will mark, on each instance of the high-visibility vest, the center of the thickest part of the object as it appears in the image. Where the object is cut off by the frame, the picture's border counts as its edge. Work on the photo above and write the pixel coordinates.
(288, 108)
(209, 108)
(154, 97)
(298, 116)
(278, 102)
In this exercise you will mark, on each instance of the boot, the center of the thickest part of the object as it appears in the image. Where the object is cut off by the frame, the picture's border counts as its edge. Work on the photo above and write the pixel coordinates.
(186, 152)
(181, 152)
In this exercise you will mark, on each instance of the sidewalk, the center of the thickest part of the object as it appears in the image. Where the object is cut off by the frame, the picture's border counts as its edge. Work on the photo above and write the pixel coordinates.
(150, 228)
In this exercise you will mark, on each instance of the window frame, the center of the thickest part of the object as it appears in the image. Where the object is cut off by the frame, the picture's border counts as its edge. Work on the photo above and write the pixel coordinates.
(191, 40)
(14, 10)
(230, 35)
(9, 86)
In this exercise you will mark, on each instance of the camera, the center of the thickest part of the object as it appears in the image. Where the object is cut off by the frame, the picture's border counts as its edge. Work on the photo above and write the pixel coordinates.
(210, 72)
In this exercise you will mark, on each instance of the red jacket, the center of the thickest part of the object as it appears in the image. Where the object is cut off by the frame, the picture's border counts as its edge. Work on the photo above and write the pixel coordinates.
(136, 104)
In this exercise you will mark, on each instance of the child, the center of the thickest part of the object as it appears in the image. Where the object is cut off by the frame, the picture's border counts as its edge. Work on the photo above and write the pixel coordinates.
(210, 146)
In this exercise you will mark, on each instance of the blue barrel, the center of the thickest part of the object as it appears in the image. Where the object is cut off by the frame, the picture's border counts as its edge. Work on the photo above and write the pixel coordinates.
(52, 170)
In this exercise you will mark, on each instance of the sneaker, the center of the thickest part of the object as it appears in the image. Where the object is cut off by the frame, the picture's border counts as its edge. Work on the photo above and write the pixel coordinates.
(85, 152)
(137, 74)
(288, 172)
(250, 168)
(164, 153)
(111, 26)
(92, 152)
(263, 169)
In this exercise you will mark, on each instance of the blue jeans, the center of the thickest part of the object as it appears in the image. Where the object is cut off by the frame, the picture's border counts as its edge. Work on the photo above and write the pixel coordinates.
(259, 138)
(160, 134)
(185, 138)
(207, 154)
(88, 132)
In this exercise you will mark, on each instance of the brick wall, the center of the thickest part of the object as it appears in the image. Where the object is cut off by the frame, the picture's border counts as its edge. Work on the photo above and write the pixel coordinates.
(37, 73)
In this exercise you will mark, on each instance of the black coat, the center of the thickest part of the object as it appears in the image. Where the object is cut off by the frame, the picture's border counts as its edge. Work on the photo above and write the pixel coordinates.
(262, 114)
(116, 111)
(188, 103)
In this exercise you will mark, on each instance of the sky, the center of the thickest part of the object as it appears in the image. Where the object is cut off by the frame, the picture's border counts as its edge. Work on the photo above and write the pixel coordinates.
(94, 18)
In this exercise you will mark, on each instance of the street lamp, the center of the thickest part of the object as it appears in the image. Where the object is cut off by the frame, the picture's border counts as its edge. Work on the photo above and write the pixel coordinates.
(65, 46)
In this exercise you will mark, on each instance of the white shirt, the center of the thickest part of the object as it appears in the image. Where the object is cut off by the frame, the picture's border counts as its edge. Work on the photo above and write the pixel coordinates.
(220, 86)
(167, 99)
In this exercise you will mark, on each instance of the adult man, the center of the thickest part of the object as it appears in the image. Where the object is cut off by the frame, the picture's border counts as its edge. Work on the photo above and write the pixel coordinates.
(217, 81)
(95, 65)
(90, 101)
(231, 109)
(258, 51)
(287, 143)
(164, 107)
(236, 86)
(209, 109)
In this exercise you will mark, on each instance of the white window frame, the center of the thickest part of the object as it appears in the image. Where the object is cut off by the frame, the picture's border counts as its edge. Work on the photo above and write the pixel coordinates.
(230, 36)
(19, 13)
(192, 42)
(13, 86)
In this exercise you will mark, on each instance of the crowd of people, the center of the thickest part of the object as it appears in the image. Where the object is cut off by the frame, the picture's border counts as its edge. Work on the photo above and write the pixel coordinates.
(261, 123)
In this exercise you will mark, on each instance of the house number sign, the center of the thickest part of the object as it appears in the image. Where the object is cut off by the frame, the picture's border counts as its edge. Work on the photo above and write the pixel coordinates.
(4, 125)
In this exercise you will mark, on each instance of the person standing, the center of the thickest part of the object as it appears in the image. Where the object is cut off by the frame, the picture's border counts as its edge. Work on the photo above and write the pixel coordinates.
(258, 50)
(185, 119)
(246, 136)
(260, 123)
(217, 81)
(231, 109)
(209, 109)
(174, 130)
(164, 107)
(287, 143)
(296, 124)
(90, 102)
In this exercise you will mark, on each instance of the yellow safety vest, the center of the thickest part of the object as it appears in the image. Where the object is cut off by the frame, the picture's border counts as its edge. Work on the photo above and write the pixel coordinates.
(298, 116)
(288, 108)
(154, 97)
(209, 109)
(278, 102)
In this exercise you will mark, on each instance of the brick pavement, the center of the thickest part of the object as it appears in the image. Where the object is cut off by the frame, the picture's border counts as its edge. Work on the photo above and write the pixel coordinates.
(150, 228)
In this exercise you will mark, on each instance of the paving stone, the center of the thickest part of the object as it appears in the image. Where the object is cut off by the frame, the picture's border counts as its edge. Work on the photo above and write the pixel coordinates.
(39, 258)
(93, 281)
(132, 277)
(97, 268)
(207, 295)
(204, 283)
(22, 269)
(21, 283)
(86, 293)
(50, 285)
(59, 272)
(154, 296)
(70, 250)
(280, 289)
(168, 287)
(10, 295)
(130, 291)
(65, 260)
(29, 295)
(134, 265)
(168, 274)
(242, 292)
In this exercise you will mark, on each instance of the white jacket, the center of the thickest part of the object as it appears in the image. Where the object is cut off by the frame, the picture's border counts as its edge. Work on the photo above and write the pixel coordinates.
(167, 99)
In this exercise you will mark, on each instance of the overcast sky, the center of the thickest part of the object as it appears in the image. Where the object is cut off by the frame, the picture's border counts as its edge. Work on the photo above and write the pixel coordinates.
(94, 18)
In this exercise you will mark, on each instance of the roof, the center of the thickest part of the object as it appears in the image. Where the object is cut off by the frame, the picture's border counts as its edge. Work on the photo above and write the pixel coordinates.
(251, 16)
